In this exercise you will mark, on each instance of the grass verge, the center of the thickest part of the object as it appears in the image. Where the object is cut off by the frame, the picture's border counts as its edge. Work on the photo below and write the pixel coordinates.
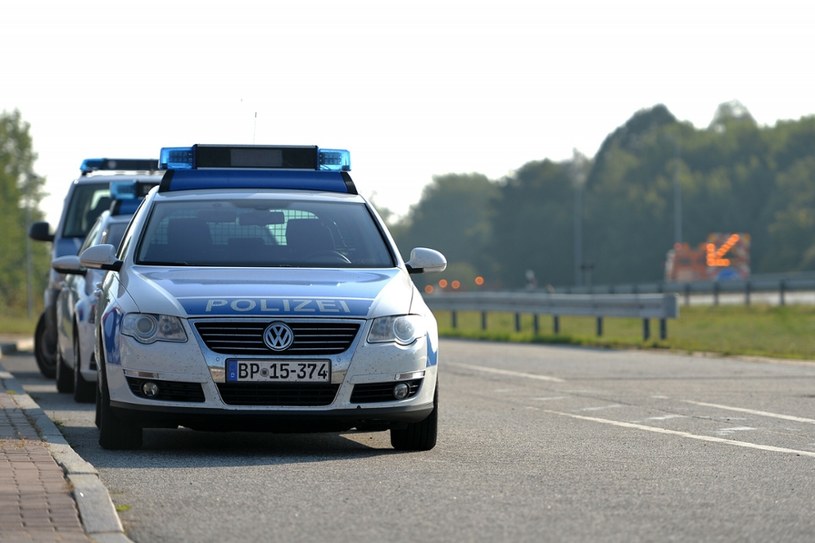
(771, 331)
(13, 323)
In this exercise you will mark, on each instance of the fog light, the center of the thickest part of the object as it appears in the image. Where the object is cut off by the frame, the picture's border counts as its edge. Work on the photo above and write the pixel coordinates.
(150, 389)
(401, 391)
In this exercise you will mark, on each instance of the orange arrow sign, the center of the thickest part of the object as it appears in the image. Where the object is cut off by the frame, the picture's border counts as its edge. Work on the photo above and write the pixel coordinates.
(715, 257)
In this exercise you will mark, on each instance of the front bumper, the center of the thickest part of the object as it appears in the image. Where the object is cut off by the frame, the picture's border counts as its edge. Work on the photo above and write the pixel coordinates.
(194, 392)
(215, 419)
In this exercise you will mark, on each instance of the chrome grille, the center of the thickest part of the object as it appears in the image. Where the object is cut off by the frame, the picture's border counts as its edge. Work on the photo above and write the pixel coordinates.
(246, 338)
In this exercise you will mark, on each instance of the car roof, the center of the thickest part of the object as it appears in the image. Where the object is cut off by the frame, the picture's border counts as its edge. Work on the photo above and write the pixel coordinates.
(107, 178)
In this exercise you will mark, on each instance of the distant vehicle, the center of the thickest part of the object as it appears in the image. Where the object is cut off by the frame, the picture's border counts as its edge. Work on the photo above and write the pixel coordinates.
(722, 257)
(255, 289)
(87, 197)
(76, 301)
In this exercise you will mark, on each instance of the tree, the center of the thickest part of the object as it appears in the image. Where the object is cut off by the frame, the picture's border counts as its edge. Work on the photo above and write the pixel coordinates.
(21, 191)
(730, 113)
(454, 217)
(532, 225)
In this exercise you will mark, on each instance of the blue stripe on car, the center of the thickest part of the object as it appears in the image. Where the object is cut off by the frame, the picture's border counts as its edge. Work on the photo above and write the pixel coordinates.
(111, 323)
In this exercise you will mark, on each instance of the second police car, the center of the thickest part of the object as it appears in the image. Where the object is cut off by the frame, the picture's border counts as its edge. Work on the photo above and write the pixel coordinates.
(255, 289)
(75, 304)
(87, 197)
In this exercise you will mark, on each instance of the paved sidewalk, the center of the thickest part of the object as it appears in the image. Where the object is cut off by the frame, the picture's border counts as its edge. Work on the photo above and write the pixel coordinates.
(48, 493)
(36, 503)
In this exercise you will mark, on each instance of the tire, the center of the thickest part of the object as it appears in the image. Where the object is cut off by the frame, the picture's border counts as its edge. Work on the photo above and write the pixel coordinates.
(418, 436)
(65, 375)
(45, 349)
(84, 391)
(114, 432)
(98, 415)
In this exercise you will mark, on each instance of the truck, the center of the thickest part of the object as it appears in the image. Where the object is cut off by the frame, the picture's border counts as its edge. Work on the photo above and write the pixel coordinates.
(721, 257)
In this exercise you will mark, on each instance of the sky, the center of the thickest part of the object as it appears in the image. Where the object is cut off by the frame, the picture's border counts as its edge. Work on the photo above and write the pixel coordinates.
(412, 89)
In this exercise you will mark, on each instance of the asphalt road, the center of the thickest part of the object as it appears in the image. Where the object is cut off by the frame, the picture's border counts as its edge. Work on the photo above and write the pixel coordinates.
(536, 444)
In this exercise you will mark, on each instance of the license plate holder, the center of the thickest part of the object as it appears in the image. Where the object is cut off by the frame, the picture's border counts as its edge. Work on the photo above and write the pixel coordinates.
(278, 371)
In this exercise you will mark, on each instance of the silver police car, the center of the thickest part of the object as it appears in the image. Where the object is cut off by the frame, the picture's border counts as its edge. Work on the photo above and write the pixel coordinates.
(255, 289)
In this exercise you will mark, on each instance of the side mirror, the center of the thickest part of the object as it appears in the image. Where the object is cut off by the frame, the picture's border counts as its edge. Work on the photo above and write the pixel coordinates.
(68, 264)
(40, 231)
(426, 260)
(100, 257)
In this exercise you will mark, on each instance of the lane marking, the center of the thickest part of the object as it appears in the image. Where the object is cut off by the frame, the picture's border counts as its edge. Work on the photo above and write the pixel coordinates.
(752, 411)
(509, 372)
(733, 430)
(688, 435)
(602, 407)
(667, 417)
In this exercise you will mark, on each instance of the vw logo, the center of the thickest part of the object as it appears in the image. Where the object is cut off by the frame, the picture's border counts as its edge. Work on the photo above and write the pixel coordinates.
(278, 336)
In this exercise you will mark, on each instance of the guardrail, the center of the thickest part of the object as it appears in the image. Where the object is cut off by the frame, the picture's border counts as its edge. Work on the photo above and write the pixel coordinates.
(773, 288)
(600, 306)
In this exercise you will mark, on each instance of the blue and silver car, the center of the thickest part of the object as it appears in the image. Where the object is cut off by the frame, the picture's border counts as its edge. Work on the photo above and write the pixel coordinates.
(256, 289)
(86, 198)
(76, 367)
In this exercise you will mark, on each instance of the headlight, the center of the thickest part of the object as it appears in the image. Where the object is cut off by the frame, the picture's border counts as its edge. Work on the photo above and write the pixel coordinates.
(147, 328)
(402, 329)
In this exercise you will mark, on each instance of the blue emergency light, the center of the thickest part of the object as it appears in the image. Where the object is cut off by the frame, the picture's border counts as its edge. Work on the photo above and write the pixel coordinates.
(256, 167)
(130, 189)
(90, 165)
(127, 195)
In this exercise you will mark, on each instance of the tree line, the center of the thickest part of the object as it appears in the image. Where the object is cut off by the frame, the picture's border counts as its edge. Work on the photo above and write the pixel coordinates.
(611, 219)
(23, 264)
(607, 219)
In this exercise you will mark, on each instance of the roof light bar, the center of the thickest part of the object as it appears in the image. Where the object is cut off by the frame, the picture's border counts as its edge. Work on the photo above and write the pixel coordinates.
(90, 165)
(130, 189)
(127, 195)
(254, 157)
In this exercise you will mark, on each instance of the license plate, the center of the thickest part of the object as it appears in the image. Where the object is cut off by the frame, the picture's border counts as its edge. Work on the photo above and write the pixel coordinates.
(278, 371)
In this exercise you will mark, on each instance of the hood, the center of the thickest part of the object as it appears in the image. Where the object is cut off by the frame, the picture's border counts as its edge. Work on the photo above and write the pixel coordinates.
(253, 292)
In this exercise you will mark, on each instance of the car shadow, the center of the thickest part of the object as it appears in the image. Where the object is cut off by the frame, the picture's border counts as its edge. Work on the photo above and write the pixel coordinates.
(192, 448)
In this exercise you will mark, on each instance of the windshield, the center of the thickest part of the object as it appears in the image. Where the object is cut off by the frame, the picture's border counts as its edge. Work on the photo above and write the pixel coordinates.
(88, 201)
(256, 232)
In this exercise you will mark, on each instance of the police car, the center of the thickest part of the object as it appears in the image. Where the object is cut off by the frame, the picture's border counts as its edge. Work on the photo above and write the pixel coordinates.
(75, 304)
(87, 197)
(256, 289)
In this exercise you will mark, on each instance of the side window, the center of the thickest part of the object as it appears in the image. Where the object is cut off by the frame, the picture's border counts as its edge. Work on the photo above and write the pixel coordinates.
(92, 235)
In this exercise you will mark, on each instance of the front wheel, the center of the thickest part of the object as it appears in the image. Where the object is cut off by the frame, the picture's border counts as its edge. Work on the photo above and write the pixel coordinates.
(84, 391)
(418, 436)
(65, 375)
(114, 432)
(45, 349)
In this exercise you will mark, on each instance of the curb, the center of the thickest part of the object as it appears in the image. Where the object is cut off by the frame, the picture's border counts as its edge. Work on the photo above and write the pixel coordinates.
(96, 509)
(17, 346)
